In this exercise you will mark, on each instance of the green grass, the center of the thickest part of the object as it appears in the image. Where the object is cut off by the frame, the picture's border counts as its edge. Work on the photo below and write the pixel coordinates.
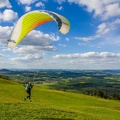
(53, 105)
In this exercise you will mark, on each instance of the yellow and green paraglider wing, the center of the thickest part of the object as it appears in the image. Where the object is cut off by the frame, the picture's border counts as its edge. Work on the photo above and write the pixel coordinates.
(33, 19)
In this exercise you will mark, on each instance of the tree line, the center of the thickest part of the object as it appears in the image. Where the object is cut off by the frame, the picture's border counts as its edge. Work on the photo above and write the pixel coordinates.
(102, 94)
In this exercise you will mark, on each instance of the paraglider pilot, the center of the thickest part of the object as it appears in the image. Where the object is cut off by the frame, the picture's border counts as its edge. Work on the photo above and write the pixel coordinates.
(28, 88)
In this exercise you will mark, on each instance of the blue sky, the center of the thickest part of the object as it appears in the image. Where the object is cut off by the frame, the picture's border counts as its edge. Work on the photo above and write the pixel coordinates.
(93, 41)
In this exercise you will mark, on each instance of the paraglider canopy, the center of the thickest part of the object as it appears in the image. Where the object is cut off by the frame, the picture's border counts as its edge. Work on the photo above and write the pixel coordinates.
(33, 19)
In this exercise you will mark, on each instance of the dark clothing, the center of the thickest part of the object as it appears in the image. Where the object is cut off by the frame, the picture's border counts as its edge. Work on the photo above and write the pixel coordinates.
(28, 88)
(28, 94)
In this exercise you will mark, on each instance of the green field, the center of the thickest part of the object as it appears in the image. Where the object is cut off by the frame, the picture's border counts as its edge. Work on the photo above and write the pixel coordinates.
(53, 105)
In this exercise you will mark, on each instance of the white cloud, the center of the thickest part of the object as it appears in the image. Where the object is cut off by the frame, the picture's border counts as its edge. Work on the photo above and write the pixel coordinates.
(111, 10)
(40, 4)
(28, 2)
(93, 55)
(67, 39)
(26, 58)
(89, 60)
(60, 1)
(102, 29)
(116, 22)
(35, 42)
(62, 45)
(1, 55)
(27, 8)
(39, 39)
(102, 8)
(34, 38)
(5, 3)
(110, 1)
(8, 15)
(4, 36)
(33, 49)
(86, 38)
(60, 8)
(106, 10)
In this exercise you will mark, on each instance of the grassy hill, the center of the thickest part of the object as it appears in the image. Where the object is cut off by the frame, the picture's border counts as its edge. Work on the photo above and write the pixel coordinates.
(53, 105)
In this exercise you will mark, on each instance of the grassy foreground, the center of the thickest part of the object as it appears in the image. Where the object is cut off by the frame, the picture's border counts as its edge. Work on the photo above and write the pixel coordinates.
(53, 105)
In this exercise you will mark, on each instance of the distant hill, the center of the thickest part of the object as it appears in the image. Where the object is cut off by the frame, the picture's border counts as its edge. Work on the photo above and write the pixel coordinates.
(4, 70)
(5, 80)
(53, 105)
(3, 77)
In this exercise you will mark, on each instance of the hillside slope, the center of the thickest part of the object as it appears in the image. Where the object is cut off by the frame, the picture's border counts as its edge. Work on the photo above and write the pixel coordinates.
(53, 105)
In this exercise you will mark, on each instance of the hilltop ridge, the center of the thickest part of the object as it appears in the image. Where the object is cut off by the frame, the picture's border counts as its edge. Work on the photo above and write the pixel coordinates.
(54, 105)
